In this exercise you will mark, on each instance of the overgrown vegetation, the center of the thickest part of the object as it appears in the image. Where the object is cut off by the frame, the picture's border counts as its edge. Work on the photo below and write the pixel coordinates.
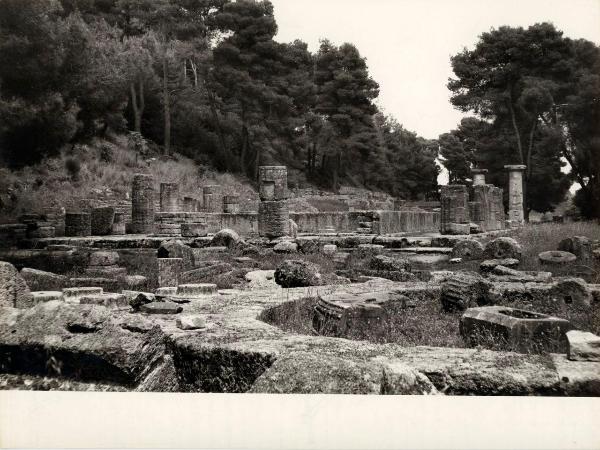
(205, 79)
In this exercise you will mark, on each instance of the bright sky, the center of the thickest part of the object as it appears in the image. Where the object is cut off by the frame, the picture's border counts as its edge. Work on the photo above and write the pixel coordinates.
(408, 43)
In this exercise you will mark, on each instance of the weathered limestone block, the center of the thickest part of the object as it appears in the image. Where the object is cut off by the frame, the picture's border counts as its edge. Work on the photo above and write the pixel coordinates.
(286, 247)
(40, 280)
(467, 249)
(102, 220)
(502, 248)
(169, 271)
(196, 229)
(186, 293)
(455, 210)
(177, 249)
(329, 249)
(103, 258)
(556, 258)
(580, 246)
(583, 346)
(297, 273)
(306, 373)
(381, 262)
(204, 273)
(161, 308)
(114, 272)
(111, 300)
(293, 229)
(213, 198)
(231, 204)
(190, 204)
(45, 296)
(74, 294)
(501, 327)
(489, 264)
(225, 238)
(169, 197)
(368, 250)
(142, 204)
(273, 218)
(12, 234)
(14, 291)
(464, 290)
(191, 322)
(272, 183)
(572, 291)
(78, 224)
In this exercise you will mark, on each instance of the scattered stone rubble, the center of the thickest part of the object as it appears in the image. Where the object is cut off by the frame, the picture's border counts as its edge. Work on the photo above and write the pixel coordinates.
(203, 317)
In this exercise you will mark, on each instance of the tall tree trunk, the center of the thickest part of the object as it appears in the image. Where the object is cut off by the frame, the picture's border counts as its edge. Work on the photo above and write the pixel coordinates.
(166, 109)
(513, 119)
(137, 123)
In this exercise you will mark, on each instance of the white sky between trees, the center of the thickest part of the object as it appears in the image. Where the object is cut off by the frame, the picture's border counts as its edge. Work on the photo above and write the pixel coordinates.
(408, 43)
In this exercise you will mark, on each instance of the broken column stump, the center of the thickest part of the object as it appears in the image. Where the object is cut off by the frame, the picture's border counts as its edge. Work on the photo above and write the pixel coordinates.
(142, 204)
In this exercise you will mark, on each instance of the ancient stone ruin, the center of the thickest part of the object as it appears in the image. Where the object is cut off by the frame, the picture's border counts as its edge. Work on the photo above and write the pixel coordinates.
(193, 292)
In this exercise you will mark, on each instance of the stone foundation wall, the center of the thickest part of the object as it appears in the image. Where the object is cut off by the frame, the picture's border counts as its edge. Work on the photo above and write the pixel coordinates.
(406, 221)
(383, 222)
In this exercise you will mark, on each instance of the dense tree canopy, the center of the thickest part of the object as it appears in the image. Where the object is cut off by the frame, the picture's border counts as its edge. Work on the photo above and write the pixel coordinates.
(205, 78)
(535, 89)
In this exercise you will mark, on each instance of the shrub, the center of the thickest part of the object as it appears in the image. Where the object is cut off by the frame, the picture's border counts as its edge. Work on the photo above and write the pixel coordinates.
(73, 168)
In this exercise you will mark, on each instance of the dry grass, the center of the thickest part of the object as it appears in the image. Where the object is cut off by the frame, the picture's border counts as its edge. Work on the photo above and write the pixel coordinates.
(104, 171)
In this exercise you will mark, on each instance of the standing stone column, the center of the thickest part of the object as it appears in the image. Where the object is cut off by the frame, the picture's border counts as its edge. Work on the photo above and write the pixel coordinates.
(231, 204)
(455, 209)
(273, 213)
(169, 197)
(272, 183)
(515, 194)
(78, 224)
(142, 204)
(478, 176)
(213, 198)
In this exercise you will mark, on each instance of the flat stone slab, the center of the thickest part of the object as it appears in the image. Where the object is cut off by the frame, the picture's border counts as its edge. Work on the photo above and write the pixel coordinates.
(241, 351)
(583, 346)
(428, 259)
(191, 322)
(161, 308)
(46, 296)
(556, 258)
(73, 294)
(426, 250)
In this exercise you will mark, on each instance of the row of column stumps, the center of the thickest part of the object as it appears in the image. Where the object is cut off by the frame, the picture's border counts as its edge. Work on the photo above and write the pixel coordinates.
(273, 212)
(487, 209)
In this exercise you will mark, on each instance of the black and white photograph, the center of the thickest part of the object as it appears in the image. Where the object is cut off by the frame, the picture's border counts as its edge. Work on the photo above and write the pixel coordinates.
(311, 197)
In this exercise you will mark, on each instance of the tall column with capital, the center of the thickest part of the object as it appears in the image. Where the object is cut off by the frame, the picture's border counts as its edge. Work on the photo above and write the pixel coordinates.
(515, 194)
(478, 176)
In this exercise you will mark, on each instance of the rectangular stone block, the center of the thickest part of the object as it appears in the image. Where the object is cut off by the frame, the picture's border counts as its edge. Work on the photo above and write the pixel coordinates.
(500, 327)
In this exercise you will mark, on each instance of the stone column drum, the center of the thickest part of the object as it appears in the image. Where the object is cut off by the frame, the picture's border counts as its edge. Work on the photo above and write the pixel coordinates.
(478, 176)
(455, 209)
(142, 204)
(102, 220)
(213, 198)
(169, 197)
(78, 224)
(231, 204)
(272, 183)
(190, 204)
(515, 194)
(273, 219)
